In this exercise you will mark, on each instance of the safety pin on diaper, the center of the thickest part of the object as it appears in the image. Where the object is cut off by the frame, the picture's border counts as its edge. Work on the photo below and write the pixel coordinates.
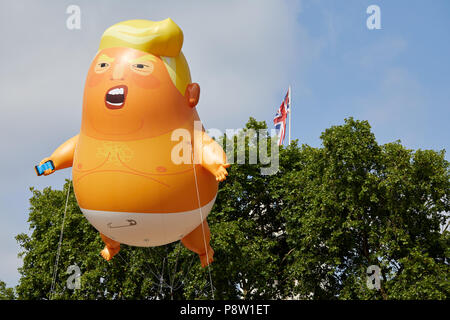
(131, 223)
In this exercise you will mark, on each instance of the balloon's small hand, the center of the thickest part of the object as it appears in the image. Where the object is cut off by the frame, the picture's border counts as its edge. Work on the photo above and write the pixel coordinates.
(221, 172)
(48, 171)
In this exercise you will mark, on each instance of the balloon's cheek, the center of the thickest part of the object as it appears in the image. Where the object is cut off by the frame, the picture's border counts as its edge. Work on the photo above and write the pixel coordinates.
(94, 79)
(146, 82)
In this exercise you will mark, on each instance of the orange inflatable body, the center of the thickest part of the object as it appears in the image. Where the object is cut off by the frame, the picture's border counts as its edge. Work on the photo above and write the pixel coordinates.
(131, 147)
(124, 175)
(144, 177)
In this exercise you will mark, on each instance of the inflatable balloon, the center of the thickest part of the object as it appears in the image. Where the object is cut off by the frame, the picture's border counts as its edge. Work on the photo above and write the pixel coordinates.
(138, 121)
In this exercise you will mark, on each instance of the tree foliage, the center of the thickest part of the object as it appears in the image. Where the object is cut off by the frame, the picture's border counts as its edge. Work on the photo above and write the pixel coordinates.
(5, 292)
(357, 204)
(309, 231)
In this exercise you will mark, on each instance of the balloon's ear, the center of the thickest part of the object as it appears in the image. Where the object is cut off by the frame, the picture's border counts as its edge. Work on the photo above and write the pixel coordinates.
(192, 94)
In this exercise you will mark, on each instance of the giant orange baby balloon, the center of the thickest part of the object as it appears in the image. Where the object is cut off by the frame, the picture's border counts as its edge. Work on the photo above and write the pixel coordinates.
(144, 172)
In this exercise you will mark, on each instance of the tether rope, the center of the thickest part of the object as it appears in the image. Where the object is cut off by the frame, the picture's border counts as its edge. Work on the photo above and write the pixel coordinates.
(55, 267)
(203, 228)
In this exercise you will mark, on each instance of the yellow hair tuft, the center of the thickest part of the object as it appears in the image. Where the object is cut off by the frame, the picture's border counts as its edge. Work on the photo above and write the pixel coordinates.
(160, 38)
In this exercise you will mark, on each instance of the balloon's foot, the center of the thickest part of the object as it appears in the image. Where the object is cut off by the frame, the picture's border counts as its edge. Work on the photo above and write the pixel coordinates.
(108, 253)
(206, 259)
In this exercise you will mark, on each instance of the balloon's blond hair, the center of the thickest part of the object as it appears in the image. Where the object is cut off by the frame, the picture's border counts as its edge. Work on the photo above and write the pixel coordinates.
(160, 38)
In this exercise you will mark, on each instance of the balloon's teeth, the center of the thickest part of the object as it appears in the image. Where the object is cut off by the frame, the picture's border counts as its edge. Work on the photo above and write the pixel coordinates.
(115, 104)
(116, 91)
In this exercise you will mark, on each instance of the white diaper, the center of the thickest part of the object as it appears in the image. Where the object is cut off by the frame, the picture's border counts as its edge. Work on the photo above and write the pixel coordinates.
(146, 229)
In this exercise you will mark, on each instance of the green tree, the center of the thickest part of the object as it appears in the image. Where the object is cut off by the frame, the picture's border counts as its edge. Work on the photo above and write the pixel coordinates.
(5, 292)
(359, 204)
(309, 231)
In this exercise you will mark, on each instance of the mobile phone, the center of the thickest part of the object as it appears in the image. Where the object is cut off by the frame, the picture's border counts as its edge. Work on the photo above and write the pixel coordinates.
(45, 166)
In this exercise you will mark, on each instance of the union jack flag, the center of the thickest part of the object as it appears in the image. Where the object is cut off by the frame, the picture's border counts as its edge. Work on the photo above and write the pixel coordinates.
(280, 118)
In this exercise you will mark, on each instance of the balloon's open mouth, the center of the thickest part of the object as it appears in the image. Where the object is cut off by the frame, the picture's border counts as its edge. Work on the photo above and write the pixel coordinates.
(115, 97)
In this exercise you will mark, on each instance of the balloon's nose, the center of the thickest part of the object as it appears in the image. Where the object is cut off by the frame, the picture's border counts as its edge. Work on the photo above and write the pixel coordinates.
(118, 72)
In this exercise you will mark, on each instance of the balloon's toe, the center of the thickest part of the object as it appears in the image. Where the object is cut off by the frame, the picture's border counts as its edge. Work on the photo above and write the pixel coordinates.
(207, 259)
(109, 253)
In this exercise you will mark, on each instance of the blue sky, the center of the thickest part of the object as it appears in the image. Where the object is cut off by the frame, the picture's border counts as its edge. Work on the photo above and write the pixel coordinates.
(398, 77)
(244, 54)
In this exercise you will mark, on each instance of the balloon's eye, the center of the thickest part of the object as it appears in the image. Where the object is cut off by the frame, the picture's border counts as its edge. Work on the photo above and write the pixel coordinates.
(142, 68)
(101, 67)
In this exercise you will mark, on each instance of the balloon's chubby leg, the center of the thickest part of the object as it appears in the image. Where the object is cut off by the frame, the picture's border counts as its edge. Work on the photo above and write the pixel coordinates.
(111, 247)
(198, 242)
(62, 157)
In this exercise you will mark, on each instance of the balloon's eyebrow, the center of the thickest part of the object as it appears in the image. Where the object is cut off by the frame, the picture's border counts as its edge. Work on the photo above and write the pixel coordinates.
(147, 57)
(104, 57)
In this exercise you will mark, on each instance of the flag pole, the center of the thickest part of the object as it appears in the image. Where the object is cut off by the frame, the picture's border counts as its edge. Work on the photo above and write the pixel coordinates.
(290, 114)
